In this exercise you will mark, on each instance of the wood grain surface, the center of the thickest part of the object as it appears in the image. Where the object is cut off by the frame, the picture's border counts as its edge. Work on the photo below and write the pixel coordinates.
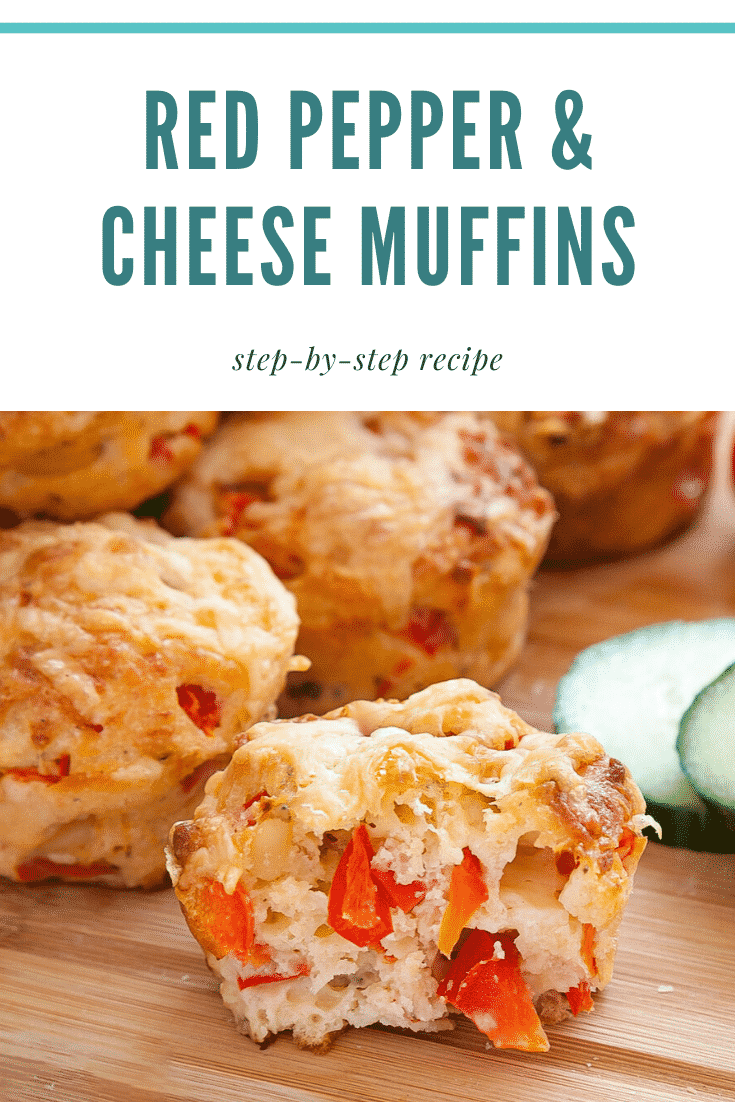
(105, 997)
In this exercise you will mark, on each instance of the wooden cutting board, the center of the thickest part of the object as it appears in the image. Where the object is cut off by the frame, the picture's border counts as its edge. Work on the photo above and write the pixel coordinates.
(105, 997)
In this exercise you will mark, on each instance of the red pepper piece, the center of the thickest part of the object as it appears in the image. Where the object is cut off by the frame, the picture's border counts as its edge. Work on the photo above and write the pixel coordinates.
(250, 819)
(254, 799)
(230, 917)
(193, 430)
(41, 868)
(580, 998)
(235, 504)
(404, 896)
(493, 993)
(467, 892)
(32, 774)
(225, 923)
(273, 977)
(358, 908)
(430, 629)
(160, 451)
(588, 948)
(565, 862)
(630, 848)
(201, 706)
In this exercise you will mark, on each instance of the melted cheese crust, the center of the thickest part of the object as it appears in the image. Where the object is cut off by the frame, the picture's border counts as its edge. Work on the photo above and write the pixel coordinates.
(74, 465)
(622, 480)
(408, 540)
(109, 631)
(448, 769)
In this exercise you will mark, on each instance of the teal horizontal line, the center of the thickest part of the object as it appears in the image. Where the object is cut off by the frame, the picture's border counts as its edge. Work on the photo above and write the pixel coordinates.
(367, 28)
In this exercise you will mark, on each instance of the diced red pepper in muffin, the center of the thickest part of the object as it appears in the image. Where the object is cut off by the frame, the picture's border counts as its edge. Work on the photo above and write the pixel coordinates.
(484, 981)
(630, 848)
(41, 868)
(580, 998)
(358, 906)
(201, 706)
(588, 948)
(467, 892)
(430, 629)
(225, 924)
(160, 450)
(404, 896)
(58, 770)
(272, 977)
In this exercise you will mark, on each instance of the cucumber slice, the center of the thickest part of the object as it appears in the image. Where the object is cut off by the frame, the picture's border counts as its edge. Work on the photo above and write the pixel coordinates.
(630, 692)
(706, 743)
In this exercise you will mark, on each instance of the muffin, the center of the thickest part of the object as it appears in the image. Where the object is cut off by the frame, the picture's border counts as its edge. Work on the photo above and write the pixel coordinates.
(408, 540)
(130, 661)
(73, 466)
(390, 860)
(622, 481)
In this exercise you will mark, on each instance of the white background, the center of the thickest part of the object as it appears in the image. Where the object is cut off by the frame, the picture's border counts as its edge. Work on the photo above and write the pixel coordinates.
(659, 109)
(378, 10)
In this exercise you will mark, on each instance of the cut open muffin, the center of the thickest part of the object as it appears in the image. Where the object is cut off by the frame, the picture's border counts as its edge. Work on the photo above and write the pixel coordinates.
(389, 859)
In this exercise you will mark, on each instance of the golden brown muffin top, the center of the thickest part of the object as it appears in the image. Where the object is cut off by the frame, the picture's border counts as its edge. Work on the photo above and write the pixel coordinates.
(577, 452)
(132, 654)
(75, 465)
(347, 506)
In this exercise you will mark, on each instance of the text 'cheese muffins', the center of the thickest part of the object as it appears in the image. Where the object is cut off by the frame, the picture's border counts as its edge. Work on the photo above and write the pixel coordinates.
(75, 465)
(129, 660)
(390, 860)
(408, 541)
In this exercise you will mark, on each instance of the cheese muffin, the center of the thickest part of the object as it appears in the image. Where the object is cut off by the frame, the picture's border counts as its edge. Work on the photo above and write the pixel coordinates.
(129, 660)
(74, 465)
(622, 481)
(408, 540)
(390, 860)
